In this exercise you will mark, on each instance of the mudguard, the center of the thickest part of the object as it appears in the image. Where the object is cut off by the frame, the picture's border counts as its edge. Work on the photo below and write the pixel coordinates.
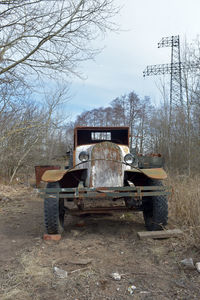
(156, 173)
(55, 175)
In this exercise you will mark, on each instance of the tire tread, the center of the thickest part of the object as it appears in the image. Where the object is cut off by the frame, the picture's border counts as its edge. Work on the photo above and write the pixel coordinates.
(155, 210)
(51, 212)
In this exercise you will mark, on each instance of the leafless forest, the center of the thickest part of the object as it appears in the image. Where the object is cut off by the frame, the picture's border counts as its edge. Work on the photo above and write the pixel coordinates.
(34, 133)
(41, 47)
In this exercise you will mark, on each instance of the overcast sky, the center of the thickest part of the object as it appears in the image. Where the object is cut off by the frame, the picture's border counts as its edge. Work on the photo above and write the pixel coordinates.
(118, 69)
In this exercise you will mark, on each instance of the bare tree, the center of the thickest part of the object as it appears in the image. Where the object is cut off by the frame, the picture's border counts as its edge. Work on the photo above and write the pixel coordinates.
(30, 132)
(44, 35)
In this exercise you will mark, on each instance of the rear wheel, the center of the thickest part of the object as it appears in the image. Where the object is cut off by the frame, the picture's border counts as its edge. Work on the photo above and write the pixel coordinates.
(53, 211)
(155, 209)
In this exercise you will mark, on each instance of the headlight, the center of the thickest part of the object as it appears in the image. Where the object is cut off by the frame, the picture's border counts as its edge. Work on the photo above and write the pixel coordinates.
(83, 156)
(129, 158)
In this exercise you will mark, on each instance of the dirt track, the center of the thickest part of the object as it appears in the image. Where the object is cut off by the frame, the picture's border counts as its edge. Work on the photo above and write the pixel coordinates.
(89, 254)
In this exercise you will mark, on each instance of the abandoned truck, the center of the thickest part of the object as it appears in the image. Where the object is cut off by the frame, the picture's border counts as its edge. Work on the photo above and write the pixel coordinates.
(104, 170)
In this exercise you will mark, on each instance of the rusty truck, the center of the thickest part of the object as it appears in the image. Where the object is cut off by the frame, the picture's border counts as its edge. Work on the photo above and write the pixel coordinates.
(103, 169)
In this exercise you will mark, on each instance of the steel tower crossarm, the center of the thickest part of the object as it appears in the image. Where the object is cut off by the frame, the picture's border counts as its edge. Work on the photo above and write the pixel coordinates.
(161, 69)
(171, 41)
(169, 68)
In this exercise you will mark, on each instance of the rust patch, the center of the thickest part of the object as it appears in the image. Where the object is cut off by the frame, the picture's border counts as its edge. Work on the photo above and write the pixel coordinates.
(106, 167)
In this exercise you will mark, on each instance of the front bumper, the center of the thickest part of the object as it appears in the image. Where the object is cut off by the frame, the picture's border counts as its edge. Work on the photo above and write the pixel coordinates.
(81, 195)
(110, 193)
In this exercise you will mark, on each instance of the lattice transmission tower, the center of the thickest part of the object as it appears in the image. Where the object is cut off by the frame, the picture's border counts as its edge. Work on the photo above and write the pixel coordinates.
(174, 68)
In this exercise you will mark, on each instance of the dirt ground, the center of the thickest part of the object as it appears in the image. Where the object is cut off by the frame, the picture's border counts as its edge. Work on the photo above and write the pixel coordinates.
(149, 269)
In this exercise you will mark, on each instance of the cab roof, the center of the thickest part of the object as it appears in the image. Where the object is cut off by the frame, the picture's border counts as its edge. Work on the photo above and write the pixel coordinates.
(84, 135)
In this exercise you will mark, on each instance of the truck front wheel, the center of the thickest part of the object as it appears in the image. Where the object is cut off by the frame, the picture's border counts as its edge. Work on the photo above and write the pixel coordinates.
(53, 211)
(155, 209)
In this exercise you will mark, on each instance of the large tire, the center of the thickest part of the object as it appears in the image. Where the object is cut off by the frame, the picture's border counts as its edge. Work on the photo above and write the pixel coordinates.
(155, 209)
(53, 212)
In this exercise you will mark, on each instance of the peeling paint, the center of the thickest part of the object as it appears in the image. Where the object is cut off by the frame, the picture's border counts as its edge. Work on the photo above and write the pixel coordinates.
(106, 166)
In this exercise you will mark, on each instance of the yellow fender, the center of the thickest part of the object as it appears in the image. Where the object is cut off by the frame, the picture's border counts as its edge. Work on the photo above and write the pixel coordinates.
(54, 175)
(157, 173)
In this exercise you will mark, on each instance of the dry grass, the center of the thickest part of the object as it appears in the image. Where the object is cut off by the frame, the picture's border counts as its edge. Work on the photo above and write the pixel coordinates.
(31, 275)
(184, 204)
(12, 191)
